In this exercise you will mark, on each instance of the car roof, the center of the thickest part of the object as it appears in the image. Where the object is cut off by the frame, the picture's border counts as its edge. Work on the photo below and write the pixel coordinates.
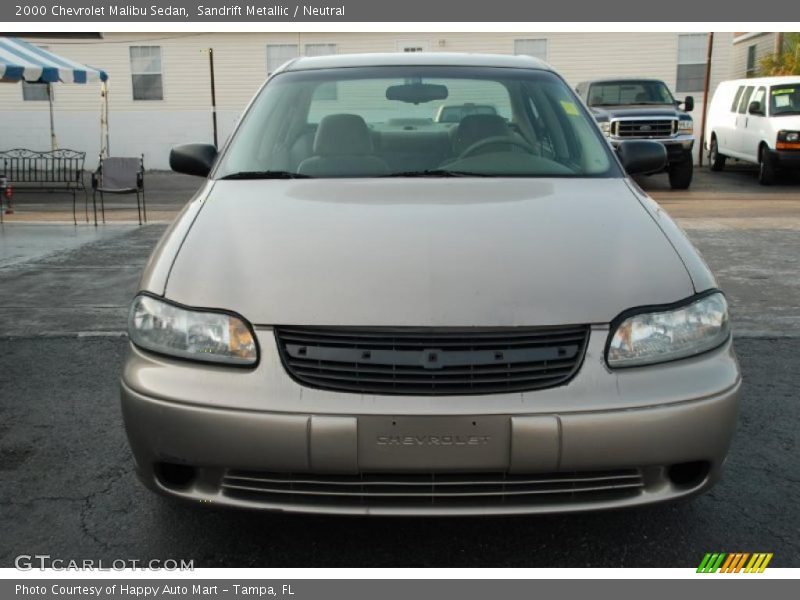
(620, 79)
(764, 80)
(413, 59)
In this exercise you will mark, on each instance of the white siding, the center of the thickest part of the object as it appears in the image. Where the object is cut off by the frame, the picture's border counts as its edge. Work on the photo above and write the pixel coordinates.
(765, 45)
(152, 127)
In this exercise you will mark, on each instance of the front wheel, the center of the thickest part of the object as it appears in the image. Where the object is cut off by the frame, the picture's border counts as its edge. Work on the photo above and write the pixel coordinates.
(715, 159)
(766, 168)
(680, 174)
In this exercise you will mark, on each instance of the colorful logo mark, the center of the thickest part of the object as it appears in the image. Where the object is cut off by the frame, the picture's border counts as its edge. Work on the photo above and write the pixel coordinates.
(735, 562)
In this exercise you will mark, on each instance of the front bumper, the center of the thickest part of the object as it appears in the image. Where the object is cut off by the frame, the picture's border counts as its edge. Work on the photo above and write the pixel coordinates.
(785, 159)
(258, 439)
(679, 147)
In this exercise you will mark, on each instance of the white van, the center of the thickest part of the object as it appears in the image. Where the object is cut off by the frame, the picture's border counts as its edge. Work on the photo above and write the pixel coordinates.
(755, 120)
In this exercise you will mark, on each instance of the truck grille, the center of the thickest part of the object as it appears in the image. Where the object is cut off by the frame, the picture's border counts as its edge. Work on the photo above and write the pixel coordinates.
(431, 488)
(645, 128)
(423, 361)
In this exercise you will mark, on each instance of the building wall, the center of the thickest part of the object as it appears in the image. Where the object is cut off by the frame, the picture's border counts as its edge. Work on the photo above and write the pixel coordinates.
(764, 43)
(184, 115)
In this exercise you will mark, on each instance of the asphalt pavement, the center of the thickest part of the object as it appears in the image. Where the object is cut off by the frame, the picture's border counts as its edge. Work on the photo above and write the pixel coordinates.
(67, 486)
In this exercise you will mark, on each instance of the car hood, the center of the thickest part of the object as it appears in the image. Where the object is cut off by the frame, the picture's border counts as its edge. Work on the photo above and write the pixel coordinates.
(788, 122)
(644, 111)
(426, 252)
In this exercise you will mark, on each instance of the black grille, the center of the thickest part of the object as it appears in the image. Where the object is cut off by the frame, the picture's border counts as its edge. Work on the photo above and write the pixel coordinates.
(414, 361)
(432, 488)
(645, 128)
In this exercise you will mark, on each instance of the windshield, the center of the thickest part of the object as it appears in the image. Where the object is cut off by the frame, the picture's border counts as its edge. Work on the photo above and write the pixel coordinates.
(784, 100)
(620, 93)
(382, 122)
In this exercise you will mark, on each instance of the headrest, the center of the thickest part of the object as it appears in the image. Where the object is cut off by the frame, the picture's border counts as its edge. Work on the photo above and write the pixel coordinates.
(474, 128)
(342, 134)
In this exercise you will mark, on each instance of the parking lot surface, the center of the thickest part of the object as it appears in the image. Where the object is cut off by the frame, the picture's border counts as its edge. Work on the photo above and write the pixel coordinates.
(67, 486)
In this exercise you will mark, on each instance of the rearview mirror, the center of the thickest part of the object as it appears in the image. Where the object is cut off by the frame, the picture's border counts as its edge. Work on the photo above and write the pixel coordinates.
(642, 156)
(688, 104)
(754, 108)
(193, 159)
(416, 93)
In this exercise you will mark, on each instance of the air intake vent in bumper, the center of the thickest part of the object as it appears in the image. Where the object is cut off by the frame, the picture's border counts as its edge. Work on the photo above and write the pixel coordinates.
(431, 488)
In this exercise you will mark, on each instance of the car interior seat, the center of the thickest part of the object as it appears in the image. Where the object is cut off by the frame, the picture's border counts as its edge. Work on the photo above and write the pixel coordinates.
(343, 147)
(474, 128)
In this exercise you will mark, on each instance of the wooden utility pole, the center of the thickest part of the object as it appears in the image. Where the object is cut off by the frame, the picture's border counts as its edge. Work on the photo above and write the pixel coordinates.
(213, 95)
(709, 52)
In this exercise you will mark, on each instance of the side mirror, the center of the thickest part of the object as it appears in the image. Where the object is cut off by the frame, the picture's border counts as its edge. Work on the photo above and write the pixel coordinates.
(193, 159)
(642, 156)
(688, 104)
(754, 108)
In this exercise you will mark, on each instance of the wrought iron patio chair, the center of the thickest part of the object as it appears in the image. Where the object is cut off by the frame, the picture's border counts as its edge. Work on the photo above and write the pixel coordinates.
(119, 175)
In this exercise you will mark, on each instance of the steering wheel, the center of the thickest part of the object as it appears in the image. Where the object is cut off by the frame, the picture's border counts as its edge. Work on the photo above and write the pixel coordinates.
(494, 140)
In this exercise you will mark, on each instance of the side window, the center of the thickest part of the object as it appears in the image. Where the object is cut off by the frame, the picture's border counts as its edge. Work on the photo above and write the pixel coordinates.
(759, 96)
(736, 99)
(745, 99)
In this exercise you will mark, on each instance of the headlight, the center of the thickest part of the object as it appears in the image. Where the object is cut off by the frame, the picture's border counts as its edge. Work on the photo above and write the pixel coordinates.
(685, 127)
(788, 140)
(661, 336)
(605, 127)
(198, 335)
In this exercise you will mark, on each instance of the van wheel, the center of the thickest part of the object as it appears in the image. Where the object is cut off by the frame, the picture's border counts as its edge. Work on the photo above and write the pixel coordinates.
(715, 159)
(766, 168)
(680, 174)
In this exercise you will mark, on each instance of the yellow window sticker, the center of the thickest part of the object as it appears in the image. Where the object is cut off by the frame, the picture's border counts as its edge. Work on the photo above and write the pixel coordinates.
(783, 91)
(570, 108)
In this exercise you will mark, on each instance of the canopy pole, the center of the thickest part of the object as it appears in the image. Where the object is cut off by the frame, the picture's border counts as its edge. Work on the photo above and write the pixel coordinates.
(53, 140)
(104, 143)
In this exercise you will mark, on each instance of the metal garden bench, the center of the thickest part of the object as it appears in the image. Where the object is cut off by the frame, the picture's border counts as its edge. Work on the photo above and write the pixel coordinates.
(52, 171)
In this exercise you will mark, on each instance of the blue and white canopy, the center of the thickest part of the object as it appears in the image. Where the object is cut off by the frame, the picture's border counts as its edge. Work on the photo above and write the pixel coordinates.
(21, 61)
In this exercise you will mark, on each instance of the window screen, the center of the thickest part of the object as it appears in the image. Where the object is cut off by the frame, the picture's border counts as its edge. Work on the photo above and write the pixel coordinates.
(277, 54)
(146, 77)
(692, 49)
(535, 48)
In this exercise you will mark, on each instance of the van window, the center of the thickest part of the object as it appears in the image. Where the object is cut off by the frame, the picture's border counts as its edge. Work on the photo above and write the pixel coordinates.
(759, 96)
(745, 99)
(736, 98)
(784, 100)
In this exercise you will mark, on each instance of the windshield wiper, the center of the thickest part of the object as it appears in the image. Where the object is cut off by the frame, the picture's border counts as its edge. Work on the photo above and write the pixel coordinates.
(436, 173)
(266, 175)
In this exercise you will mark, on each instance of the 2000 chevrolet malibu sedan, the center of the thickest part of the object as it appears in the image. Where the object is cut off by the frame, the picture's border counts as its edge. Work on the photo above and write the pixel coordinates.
(367, 311)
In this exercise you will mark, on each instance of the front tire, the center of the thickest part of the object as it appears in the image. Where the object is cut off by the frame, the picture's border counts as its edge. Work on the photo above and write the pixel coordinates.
(715, 159)
(766, 167)
(680, 174)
